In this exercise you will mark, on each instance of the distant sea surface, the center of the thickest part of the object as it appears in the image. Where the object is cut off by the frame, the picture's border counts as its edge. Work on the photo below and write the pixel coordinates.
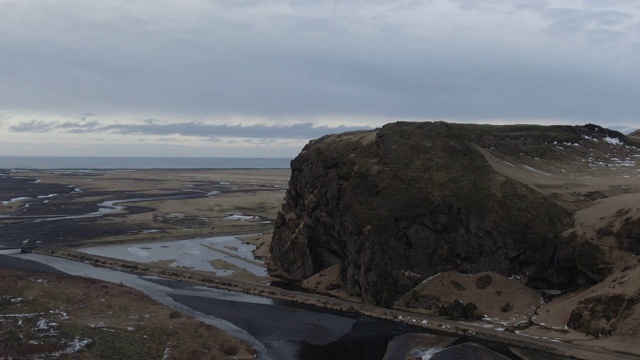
(46, 162)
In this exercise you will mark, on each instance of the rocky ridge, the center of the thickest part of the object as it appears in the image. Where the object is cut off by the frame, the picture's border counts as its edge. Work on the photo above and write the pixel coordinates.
(383, 211)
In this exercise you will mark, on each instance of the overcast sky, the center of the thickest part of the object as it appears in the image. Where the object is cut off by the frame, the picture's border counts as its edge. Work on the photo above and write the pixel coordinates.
(261, 78)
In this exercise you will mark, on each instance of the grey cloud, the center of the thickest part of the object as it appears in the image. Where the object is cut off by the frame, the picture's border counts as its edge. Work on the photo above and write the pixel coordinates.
(296, 131)
(606, 3)
(609, 17)
(596, 25)
(47, 126)
(529, 5)
(196, 129)
(223, 65)
(77, 126)
(479, 5)
(238, 3)
(603, 35)
(502, 5)
(32, 126)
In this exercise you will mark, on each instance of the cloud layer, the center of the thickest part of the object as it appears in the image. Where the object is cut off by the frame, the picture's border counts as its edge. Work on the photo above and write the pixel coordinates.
(192, 129)
(288, 67)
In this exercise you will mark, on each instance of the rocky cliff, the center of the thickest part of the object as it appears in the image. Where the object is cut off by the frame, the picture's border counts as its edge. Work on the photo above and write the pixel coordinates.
(393, 206)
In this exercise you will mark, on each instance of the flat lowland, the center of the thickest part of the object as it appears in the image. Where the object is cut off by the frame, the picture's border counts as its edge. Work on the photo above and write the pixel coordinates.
(49, 209)
(52, 315)
(44, 314)
(91, 207)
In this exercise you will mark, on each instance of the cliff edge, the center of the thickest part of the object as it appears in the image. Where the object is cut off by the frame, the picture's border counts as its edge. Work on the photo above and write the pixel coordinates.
(375, 215)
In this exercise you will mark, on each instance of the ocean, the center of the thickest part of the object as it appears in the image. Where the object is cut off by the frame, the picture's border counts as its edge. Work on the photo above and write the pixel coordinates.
(79, 162)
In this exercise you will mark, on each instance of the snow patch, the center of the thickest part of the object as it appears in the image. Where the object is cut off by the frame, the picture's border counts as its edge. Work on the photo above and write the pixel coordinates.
(423, 354)
(239, 217)
(22, 198)
(47, 196)
(613, 141)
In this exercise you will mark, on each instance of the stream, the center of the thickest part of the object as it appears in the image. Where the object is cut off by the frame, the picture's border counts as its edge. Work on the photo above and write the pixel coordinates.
(104, 208)
(277, 330)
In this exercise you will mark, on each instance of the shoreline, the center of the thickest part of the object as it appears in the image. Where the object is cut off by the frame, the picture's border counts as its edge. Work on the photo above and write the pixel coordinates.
(432, 324)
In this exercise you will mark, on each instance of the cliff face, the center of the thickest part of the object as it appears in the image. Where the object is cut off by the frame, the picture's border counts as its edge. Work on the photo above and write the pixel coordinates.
(376, 214)
(397, 205)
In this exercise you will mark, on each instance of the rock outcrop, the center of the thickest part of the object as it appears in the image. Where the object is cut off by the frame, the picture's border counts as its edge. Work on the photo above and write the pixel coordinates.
(396, 205)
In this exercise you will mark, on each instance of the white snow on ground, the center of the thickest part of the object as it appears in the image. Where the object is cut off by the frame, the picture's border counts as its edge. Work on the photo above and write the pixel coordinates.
(47, 196)
(165, 355)
(613, 141)
(7, 202)
(193, 253)
(76, 345)
(239, 217)
(158, 292)
(423, 354)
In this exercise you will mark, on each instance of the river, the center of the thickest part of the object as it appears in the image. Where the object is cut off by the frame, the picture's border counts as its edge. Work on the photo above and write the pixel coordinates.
(277, 330)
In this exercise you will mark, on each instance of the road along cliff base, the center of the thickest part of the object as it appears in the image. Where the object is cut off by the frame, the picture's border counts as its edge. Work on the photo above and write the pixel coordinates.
(534, 228)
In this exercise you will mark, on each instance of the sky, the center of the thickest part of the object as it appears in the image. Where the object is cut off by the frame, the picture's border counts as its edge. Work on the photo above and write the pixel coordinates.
(254, 78)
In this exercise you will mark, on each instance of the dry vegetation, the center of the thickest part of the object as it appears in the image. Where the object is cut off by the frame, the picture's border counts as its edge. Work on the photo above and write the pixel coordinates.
(59, 316)
(90, 319)
(601, 190)
(220, 193)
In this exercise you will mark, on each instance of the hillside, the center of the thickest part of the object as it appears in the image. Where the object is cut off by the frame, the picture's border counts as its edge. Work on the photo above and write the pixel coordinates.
(374, 215)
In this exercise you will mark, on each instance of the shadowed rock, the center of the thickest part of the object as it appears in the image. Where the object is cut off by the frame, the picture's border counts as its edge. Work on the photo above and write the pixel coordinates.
(396, 205)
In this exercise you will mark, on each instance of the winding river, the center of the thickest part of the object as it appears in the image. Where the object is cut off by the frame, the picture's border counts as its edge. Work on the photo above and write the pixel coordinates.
(277, 330)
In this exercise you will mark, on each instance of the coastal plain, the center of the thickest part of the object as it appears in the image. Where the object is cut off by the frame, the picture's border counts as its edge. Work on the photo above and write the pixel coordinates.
(108, 217)
(90, 207)
(64, 316)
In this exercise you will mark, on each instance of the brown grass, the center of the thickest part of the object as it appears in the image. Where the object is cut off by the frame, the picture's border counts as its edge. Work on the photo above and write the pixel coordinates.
(121, 322)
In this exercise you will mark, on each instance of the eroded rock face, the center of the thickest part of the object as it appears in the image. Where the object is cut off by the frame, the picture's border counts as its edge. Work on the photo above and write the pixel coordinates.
(402, 203)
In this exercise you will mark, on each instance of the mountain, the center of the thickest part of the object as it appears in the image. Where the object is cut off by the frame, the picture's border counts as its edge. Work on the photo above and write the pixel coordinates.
(375, 215)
